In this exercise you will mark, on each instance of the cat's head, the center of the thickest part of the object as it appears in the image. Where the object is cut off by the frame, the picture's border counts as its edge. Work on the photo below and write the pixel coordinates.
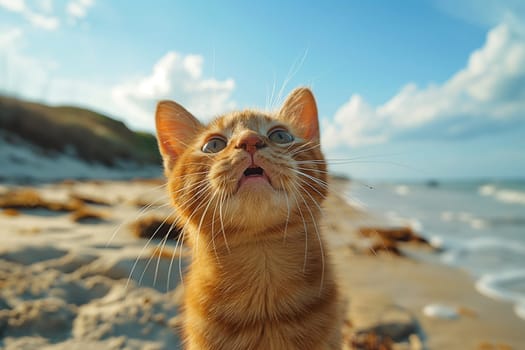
(246, 171)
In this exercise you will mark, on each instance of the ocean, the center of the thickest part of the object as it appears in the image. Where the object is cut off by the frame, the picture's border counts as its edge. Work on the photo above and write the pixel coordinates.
(479, 224)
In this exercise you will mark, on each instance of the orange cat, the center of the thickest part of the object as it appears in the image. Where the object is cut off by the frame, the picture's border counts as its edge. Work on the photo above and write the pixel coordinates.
(247, 188)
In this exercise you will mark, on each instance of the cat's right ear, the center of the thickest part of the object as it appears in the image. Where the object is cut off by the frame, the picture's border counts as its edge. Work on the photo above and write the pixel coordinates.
(176, 127)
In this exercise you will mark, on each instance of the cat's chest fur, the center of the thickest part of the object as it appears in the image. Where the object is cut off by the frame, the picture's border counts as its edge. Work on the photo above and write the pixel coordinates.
(267, 297)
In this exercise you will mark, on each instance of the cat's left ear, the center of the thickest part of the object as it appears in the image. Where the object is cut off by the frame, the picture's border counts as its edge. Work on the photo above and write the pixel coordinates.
(300, 110)
(176, 128)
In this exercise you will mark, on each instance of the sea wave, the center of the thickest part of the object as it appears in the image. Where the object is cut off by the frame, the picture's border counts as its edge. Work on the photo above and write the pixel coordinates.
(519, 309)
(458, 249)
(493, 286)
(503, 195)
(402, 190)
(395, 219)
(465, 217)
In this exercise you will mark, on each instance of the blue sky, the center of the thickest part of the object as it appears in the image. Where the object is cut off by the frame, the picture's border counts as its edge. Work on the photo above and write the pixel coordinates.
(406, 89)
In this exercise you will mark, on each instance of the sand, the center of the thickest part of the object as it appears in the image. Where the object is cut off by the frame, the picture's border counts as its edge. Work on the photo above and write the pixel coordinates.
(92, 284)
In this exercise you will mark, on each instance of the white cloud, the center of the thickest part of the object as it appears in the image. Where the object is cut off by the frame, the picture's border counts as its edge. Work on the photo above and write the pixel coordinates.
(13, 5)
(39, 20)
(179, 77)
(42, 21)
(78, 9)
(487, 94)
(39, 14)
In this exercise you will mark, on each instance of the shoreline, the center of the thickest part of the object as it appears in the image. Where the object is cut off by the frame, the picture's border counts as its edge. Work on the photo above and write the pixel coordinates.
(376, 284)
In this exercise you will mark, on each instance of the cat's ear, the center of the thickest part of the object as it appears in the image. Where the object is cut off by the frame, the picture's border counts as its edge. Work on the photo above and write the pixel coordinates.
(300, 110)
(176, 127)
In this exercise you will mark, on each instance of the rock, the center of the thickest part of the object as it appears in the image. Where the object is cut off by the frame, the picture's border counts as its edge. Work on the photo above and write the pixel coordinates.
(396, 234)
(441, 311)
(385, 246)
(397, 324)
(394, 325)
(370, 341)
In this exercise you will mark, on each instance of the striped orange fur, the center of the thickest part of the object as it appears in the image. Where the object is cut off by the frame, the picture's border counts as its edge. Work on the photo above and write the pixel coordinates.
(260, 276)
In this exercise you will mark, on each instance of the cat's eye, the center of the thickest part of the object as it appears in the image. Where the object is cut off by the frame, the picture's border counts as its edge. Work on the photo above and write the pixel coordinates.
(280, 136)
(214, 145)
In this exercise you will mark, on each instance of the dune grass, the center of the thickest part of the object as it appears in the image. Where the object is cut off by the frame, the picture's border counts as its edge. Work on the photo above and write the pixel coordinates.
(89, 135)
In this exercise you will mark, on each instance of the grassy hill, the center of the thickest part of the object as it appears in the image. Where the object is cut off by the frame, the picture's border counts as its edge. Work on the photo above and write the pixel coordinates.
(91, 136)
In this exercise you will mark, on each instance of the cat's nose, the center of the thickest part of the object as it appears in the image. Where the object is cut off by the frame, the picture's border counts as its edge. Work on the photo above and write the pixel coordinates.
(250, 142)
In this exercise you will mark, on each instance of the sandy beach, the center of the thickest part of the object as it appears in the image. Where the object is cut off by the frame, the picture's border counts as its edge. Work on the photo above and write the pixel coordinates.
(385, 288)
(80, 278)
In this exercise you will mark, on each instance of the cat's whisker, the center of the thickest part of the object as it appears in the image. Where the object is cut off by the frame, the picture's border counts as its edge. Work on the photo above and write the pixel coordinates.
(181, 276)
(296, 191)
(206, 165)
(181, 233)
(355, 160)
(218, 205)
(317, 233)
(178, 246)
(319, 182)
(301, 146)
(212, 223)
(142, 251)
(184, 187)
(189, 175)
(221, 201)
(159, 256)
(271, 105)
(197, 184)
(306, 147)
(198, 197)
(310, 162)
(296, 66)
(287, 208)
(328, 172)
(163, 242)
(313, 188)
(140, 213)
(294, 144)
(151, 257)
(269, 98)
(203, 202)
(314, 170)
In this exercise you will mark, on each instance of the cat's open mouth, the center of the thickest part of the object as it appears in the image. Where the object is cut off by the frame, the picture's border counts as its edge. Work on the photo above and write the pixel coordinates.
(254, 173)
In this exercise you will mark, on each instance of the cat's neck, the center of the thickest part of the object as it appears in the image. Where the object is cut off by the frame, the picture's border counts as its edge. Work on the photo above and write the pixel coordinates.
(296, 255)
